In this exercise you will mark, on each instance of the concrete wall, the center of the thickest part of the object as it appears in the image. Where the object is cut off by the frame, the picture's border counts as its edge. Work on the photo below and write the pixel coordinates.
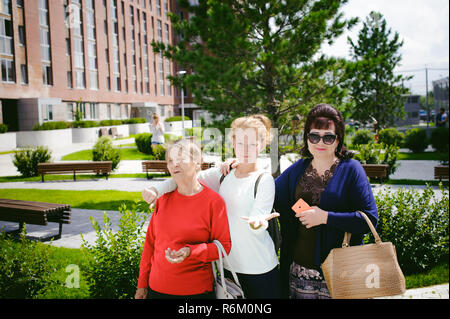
(7, 141)
(51, 138)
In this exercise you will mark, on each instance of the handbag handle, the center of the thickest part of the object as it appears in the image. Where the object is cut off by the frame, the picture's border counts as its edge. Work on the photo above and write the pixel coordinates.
(347, 235)
(222, 274)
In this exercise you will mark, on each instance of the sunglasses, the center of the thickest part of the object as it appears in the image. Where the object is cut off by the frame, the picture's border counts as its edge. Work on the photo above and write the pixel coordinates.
(327, 139)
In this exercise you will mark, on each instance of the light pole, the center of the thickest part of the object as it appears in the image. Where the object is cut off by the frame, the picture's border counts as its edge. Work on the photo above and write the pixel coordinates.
(182, 73)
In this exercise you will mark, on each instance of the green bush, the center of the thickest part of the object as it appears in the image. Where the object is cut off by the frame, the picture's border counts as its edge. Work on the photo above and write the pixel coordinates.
(135, 120)
(27, 160)
(85, 124)
(176, 118)
(416, 140)
(171, 137)
(439, 139)
(159, 152)
(416, 222)
(25, 270)
(374, 153)
(362, 137)
(110, 122)
(390, 136)
(104, 151)
(57, 125)
(144, 143)
(114, 260)
(3, 128)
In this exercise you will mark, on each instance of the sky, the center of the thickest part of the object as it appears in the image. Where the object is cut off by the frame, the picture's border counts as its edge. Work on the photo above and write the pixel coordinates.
(423, 25)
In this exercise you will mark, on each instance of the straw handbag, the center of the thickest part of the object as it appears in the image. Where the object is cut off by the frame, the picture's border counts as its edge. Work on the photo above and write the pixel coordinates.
(365, 271)
(225, 288)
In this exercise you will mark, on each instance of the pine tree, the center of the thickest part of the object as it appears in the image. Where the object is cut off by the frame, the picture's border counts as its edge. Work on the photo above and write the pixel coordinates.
(376, 90)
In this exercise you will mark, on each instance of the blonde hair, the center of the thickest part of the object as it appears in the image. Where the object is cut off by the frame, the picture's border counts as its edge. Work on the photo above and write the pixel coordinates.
(259, 122)
(185, 146)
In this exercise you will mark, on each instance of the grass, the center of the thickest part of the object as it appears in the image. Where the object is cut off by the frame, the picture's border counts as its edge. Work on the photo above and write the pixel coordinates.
(437, 275)
(91, 199)
(11, 179)
(125, 154)
(425, 156)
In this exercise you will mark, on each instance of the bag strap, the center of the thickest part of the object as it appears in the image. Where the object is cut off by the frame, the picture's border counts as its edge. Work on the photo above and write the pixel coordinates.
(347, 235)
(220, 266)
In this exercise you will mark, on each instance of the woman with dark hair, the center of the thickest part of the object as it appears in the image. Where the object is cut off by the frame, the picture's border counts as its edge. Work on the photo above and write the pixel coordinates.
(336, 187)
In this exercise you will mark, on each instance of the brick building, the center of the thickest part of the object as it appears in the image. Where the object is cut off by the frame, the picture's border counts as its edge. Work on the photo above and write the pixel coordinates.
(54, 53)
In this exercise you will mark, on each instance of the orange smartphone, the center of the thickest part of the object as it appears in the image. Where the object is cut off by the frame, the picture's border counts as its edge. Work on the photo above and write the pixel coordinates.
(300, 206)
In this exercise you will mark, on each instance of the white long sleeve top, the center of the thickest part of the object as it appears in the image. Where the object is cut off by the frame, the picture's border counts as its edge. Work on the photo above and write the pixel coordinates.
(252, 251)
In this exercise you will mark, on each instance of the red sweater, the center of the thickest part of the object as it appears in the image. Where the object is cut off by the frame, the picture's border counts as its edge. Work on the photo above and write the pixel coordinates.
(179, 221)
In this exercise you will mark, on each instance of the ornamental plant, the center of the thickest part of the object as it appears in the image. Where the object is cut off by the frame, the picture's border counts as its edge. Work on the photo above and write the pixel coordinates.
(374, 153)
(26, 161)
(104, 151)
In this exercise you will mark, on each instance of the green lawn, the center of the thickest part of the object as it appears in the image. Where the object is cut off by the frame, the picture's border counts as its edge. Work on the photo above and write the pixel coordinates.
(125, 154)
(91, 199)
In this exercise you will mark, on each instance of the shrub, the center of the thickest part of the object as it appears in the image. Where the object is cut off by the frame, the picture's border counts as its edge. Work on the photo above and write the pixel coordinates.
(439, 139)
(373, 153)
(57, 125)
(104, 151)
(27, 160)
(171, 137)
(416, 140)
(390, 136)
(110, 122)
(362, 137)
(159, 152)
(135, 120)
(144, 143)
(84, 124)
(25, 270)
(3, 128)
(114, 259)
(176, 118)
(416, 222)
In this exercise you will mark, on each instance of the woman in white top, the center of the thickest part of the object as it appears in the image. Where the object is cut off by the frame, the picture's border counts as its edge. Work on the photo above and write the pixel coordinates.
(252, 254)
(157, 130)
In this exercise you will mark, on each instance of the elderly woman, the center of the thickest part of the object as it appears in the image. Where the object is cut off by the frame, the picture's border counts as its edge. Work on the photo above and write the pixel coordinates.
(336, 187)
(178, 249)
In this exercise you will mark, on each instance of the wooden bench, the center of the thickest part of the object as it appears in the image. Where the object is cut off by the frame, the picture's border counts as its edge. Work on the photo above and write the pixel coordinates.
(36, 213)
(161, 166)
(376, 170)
(103, 132)
(100, 167)
(441, 172)
(114, 132)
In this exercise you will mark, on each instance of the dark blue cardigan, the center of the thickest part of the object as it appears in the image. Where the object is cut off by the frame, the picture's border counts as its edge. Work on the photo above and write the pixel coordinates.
(348, 191)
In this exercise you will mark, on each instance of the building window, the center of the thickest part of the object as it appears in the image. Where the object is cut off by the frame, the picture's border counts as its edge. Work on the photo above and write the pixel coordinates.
(5, 6)
(93, 79)
(24, 73)
(47, 112)
(8, 74)
(47, 74)
(93, 108)
(21, 35)
(158, 7)
(6, 36)
(68, 46)
(108, 111)
(19, 3)
(70, 112)
(69, 79)
(80, 80)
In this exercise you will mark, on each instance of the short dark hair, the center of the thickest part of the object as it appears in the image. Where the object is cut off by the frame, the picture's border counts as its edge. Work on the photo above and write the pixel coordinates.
(320, 117)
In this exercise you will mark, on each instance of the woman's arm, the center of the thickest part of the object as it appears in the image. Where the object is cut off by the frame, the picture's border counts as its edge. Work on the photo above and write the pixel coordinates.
(263, 203)
(208, 252)
(147, 253)
(362, 197)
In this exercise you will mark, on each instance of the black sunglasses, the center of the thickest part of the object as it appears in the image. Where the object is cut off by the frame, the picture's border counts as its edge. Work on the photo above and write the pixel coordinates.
(327, 139)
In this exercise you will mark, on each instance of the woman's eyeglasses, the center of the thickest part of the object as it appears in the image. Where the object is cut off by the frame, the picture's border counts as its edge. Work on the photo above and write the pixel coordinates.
(327, 139)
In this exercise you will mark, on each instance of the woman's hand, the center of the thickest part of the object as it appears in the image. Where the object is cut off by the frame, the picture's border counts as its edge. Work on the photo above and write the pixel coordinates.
(313, 217)
(177, 256)
(150, 195)
(226, 166)
(257, 221)
(141, 293)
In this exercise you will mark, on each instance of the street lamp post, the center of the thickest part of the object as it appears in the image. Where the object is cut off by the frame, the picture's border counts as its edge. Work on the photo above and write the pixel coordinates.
(182, 73)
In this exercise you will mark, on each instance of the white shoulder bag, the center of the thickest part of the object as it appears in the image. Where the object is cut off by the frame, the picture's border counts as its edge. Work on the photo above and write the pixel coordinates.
(225, 288)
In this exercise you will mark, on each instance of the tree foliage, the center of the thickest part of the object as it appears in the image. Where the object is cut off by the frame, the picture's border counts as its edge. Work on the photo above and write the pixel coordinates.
(375, 89)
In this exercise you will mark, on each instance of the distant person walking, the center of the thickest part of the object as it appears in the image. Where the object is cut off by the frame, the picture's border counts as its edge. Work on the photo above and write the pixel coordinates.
(157, 130)
(442, 118)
